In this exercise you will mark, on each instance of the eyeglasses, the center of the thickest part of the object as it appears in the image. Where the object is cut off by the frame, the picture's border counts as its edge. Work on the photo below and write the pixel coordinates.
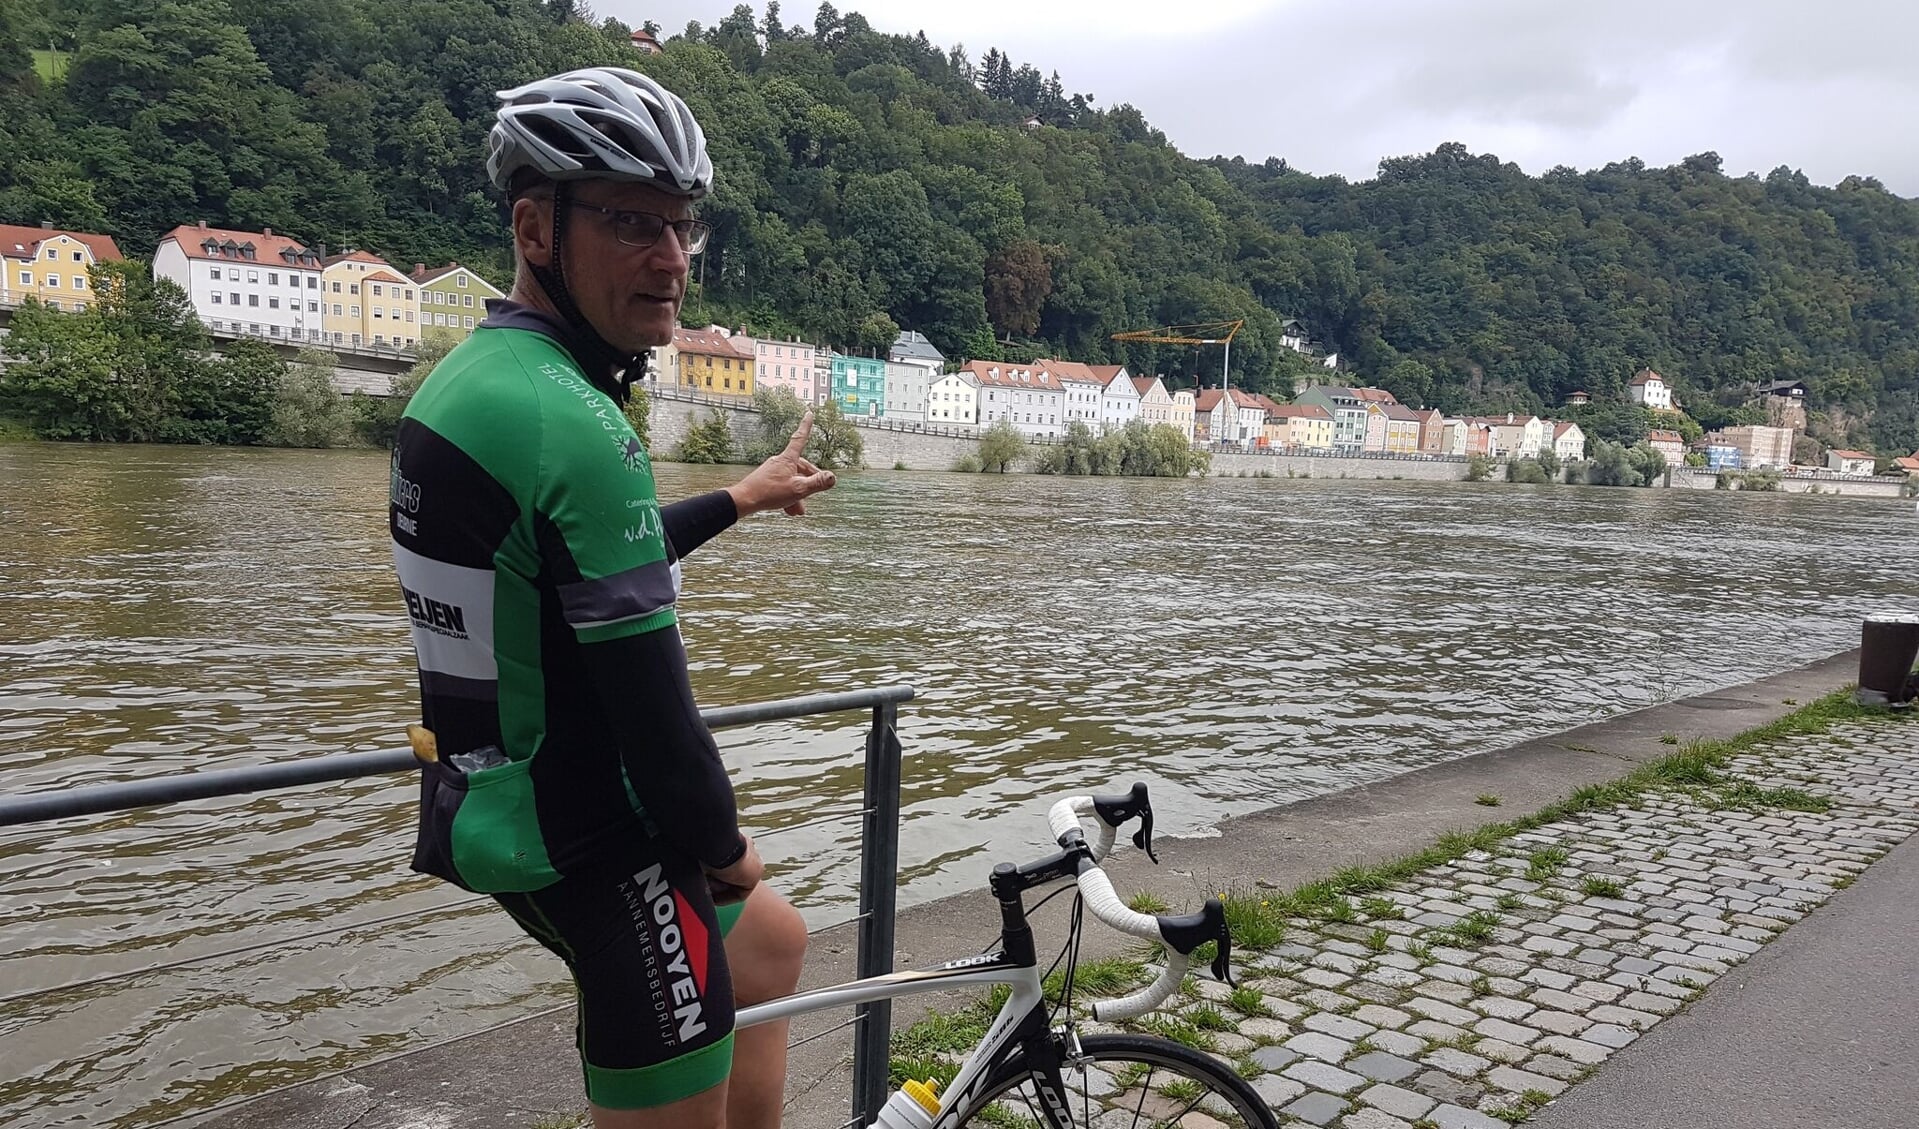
(643, 229)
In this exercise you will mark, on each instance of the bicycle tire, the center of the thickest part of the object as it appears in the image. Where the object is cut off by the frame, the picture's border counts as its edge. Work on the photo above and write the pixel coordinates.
(1101, 1097)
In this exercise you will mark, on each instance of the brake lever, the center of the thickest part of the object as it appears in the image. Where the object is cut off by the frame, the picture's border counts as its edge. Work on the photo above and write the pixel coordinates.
(1223, 957)
(1116, 810)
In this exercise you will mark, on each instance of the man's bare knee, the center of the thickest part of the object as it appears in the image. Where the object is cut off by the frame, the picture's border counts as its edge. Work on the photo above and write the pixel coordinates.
(767, 949)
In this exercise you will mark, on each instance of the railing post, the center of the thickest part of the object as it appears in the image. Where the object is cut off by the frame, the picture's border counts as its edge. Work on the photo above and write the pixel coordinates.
(879, 875)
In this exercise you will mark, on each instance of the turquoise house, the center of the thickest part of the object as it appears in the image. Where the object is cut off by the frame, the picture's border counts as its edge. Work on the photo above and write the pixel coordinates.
(859, 385)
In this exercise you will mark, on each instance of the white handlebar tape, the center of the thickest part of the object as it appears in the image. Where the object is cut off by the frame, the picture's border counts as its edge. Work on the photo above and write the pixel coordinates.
(1065, 815)
(1147, 998)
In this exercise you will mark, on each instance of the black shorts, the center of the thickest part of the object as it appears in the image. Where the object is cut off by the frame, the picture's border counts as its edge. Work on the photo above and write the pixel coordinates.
(649, 969)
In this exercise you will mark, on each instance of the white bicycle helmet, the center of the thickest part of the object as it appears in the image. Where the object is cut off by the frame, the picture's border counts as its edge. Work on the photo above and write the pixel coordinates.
(601, 122)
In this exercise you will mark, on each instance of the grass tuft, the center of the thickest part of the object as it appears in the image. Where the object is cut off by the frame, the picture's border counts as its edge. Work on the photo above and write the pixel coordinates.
(1596, 886)
(1487, 801)
(1546, 863)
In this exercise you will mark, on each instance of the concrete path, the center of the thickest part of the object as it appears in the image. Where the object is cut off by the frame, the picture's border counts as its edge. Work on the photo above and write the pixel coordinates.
(1820, 1028)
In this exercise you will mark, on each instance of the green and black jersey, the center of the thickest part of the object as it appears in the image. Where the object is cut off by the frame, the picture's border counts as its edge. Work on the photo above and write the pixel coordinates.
(540, 578)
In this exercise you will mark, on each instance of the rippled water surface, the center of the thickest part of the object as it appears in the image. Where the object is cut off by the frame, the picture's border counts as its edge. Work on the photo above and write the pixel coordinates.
(1236, 643)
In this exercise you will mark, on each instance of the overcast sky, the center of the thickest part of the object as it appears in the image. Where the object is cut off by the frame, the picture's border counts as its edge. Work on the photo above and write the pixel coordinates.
(1831, 88)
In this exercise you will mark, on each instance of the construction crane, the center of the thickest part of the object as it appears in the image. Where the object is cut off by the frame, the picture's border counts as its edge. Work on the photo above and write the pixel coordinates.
(1205, 333)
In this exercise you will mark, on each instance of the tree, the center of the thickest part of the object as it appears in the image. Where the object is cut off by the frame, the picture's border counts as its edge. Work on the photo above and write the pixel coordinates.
(1019, 279)
(780, 414)
(1000, 446)
(836, 443)
(638, 410)
(61, 380)
(307, 410)
(708, 442)
(1478, 467)
(1548, 460)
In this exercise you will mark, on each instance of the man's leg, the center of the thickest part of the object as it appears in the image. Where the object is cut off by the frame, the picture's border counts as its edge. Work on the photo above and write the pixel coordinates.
(706, 1110)
(764, 951)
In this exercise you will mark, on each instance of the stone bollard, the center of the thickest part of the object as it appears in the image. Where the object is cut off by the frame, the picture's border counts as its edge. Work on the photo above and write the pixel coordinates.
(1888, 644)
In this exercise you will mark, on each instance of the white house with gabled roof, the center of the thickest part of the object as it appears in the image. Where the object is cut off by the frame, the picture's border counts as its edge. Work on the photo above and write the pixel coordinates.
(246, 283)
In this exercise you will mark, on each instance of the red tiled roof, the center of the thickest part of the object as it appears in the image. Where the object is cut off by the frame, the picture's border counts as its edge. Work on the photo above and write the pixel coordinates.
(1106, 374)
(1145, 383)
(1300, 411)
(1852, 454)
(1000, 375)
(384, 276)
(18, 241)
(1562, 428)
(1070, 372)
(704, 342)
(1375, 395)
(266, 247)
(1402, 413)
(1646, 376)
(1657, 436)
(1906, 462)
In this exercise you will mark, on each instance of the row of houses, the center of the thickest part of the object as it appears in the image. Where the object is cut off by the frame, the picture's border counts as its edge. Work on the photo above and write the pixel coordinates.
(260, 284)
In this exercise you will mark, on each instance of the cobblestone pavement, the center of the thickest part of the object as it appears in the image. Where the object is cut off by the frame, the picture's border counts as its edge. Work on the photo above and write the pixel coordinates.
(1476, 992)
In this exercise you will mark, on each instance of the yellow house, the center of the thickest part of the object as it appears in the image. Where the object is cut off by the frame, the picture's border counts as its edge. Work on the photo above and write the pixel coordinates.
(50, 264)
(365, 301)
(452, 298)
(712, 362)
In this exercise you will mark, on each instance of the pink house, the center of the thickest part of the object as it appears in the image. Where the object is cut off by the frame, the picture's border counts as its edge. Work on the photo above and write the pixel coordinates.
(793, 365)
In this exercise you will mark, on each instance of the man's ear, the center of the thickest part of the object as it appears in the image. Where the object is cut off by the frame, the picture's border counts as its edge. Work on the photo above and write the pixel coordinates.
(533, 230)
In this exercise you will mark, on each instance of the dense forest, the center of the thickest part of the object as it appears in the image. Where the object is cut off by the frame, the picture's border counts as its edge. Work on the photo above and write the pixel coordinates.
(870, 181)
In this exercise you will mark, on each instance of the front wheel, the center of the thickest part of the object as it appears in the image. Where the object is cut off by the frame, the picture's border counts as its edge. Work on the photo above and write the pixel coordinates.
(1120, 1082)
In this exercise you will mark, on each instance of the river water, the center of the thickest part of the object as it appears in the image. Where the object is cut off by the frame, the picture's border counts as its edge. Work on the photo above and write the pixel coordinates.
(1237, 643)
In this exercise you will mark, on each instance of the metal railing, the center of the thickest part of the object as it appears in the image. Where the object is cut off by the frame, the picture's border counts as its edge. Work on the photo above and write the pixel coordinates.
(879, 832)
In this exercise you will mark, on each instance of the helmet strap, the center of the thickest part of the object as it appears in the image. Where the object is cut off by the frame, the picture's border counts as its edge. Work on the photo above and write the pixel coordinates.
(603, 361)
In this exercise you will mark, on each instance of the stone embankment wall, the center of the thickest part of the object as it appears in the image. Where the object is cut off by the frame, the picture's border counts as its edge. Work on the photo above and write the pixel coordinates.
(1834, 484)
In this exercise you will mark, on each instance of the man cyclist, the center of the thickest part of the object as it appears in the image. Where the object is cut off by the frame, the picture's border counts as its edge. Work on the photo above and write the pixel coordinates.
(575, 781)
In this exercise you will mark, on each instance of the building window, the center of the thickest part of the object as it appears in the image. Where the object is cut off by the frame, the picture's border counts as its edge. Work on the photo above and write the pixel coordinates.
(312, 282)
(313, 307)
(216, 297)
(468, 299)
(353, 288)
(26, 278)
(79, 282)
(376, 290)
(378, 313)
(336, 288)
(379, 339)
(356, 339)
(469, 323)
(409, 315)
(53, 252)
(273, 278)
(273, 330)
(233, 297)
(336, 337)
(273, 303)
(460, 281)
(253, 299)
(215, 271)
(253, 276)
(253, 328)
(353, 311)
(408, 295)
(336, 309)
(77, 257)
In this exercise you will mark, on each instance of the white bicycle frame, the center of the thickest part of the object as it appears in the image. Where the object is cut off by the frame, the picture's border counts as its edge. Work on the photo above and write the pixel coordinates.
(995, 1047)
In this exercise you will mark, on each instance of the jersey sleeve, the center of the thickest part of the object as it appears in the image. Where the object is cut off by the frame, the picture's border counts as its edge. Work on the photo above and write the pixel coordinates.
(597, 521)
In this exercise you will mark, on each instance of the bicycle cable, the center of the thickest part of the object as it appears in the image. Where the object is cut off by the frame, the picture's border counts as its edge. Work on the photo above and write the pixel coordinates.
(1030, 912)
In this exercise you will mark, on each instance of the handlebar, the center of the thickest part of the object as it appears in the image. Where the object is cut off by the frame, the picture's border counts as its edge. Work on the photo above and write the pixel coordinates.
(1180, 933)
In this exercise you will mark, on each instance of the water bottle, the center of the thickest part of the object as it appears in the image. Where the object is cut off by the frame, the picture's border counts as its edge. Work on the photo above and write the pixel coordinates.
(912, 1106)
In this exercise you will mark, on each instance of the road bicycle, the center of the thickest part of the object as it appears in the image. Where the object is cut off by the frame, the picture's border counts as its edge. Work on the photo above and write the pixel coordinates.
(1033, 1066)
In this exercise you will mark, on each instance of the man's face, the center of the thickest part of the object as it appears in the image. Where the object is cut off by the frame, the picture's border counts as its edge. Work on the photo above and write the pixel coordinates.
(631, 295)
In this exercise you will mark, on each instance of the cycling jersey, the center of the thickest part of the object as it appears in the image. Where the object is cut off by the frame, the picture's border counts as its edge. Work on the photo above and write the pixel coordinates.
(540, 578)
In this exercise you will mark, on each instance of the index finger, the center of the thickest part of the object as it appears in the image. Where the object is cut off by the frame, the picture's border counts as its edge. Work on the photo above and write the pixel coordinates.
(800, 435)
